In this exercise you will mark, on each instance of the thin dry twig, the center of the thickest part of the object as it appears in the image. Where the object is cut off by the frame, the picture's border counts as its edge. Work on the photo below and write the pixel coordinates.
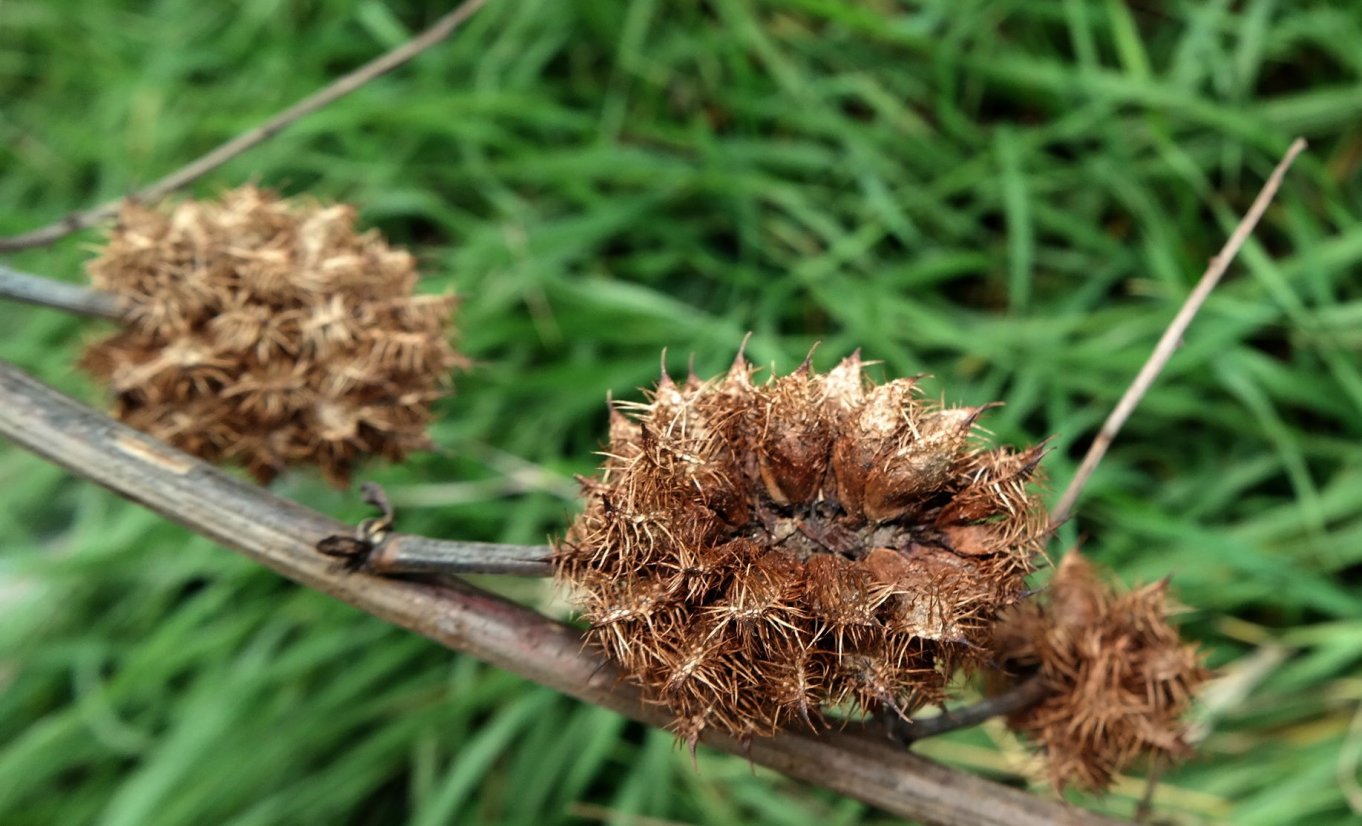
(1023, 695)
(410, 555)
(281, 535)
(1172, 337)
(374, 548)
(196, 169)
(33, 289)
(1144, 810)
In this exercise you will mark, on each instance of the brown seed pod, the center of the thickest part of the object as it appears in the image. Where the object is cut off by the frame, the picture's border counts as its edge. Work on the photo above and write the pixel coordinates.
(1119, 676)
(270, 333)
(755, 555)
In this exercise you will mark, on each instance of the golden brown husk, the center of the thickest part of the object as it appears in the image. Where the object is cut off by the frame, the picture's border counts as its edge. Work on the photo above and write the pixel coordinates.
(755, 555)
(270, 333)
(1118, 674)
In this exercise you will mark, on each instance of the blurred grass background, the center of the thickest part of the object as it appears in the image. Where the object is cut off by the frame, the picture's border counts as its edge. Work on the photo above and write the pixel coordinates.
(1013, 195)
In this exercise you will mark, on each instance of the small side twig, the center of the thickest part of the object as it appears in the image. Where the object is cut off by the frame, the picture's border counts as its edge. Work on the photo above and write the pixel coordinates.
(1172, 338)
(373, 548)
(1144, 810)
(411, 554)
(32, 289)
(1023, 695)
(343, 86)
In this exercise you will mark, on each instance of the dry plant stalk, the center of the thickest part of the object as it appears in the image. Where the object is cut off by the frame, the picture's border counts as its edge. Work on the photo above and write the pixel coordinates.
(757, 555)
(1118, 675)
(270, 333)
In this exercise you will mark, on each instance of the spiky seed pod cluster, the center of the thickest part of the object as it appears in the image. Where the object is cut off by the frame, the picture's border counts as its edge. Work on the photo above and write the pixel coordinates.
(1120, 678)
(756, 554)
(270, 333)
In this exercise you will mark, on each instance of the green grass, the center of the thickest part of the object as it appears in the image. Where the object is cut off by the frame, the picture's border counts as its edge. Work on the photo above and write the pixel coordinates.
(1014, 196)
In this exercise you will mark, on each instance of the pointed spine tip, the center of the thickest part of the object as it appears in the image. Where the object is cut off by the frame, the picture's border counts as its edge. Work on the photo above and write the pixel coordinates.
(742, 349)
(853, 361)
(976, 412)
(740, 372)
(1031, 459)
(806, 366)
(664, 381)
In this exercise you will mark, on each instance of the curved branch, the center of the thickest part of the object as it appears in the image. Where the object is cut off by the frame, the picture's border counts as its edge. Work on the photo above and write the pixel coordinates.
(281, 535)
(341, 87)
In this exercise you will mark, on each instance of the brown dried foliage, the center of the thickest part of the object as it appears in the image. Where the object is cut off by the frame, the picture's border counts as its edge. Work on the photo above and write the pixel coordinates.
(270, 333)
(1119, 676)
(756, 555)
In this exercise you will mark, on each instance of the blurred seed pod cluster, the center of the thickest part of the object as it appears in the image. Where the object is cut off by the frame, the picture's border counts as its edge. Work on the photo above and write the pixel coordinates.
(1119, 676)
(756, 555)
(270, 333)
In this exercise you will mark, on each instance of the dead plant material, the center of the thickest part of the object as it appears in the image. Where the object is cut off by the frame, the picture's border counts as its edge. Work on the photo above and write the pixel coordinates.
(270, 333)
(755, 555)
(1119, 678)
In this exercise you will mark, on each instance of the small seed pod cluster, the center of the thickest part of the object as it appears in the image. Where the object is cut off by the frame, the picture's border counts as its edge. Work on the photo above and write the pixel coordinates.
(1118, 674)
(755, 555)
(270, 333)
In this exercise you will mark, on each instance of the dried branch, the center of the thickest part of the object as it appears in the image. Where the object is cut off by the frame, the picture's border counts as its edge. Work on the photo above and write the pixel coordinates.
(341, 87)
(281, 535)
(1172, 337)
(33, 289)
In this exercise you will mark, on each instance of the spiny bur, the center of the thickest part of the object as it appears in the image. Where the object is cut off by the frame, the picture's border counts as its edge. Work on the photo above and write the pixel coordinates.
(1119, 677)
(758, 555)
(270, 333)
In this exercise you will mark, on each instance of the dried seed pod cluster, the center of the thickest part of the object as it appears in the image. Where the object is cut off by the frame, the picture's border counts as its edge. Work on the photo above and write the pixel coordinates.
(1119, 676)
(754, 555)
(270, 333)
